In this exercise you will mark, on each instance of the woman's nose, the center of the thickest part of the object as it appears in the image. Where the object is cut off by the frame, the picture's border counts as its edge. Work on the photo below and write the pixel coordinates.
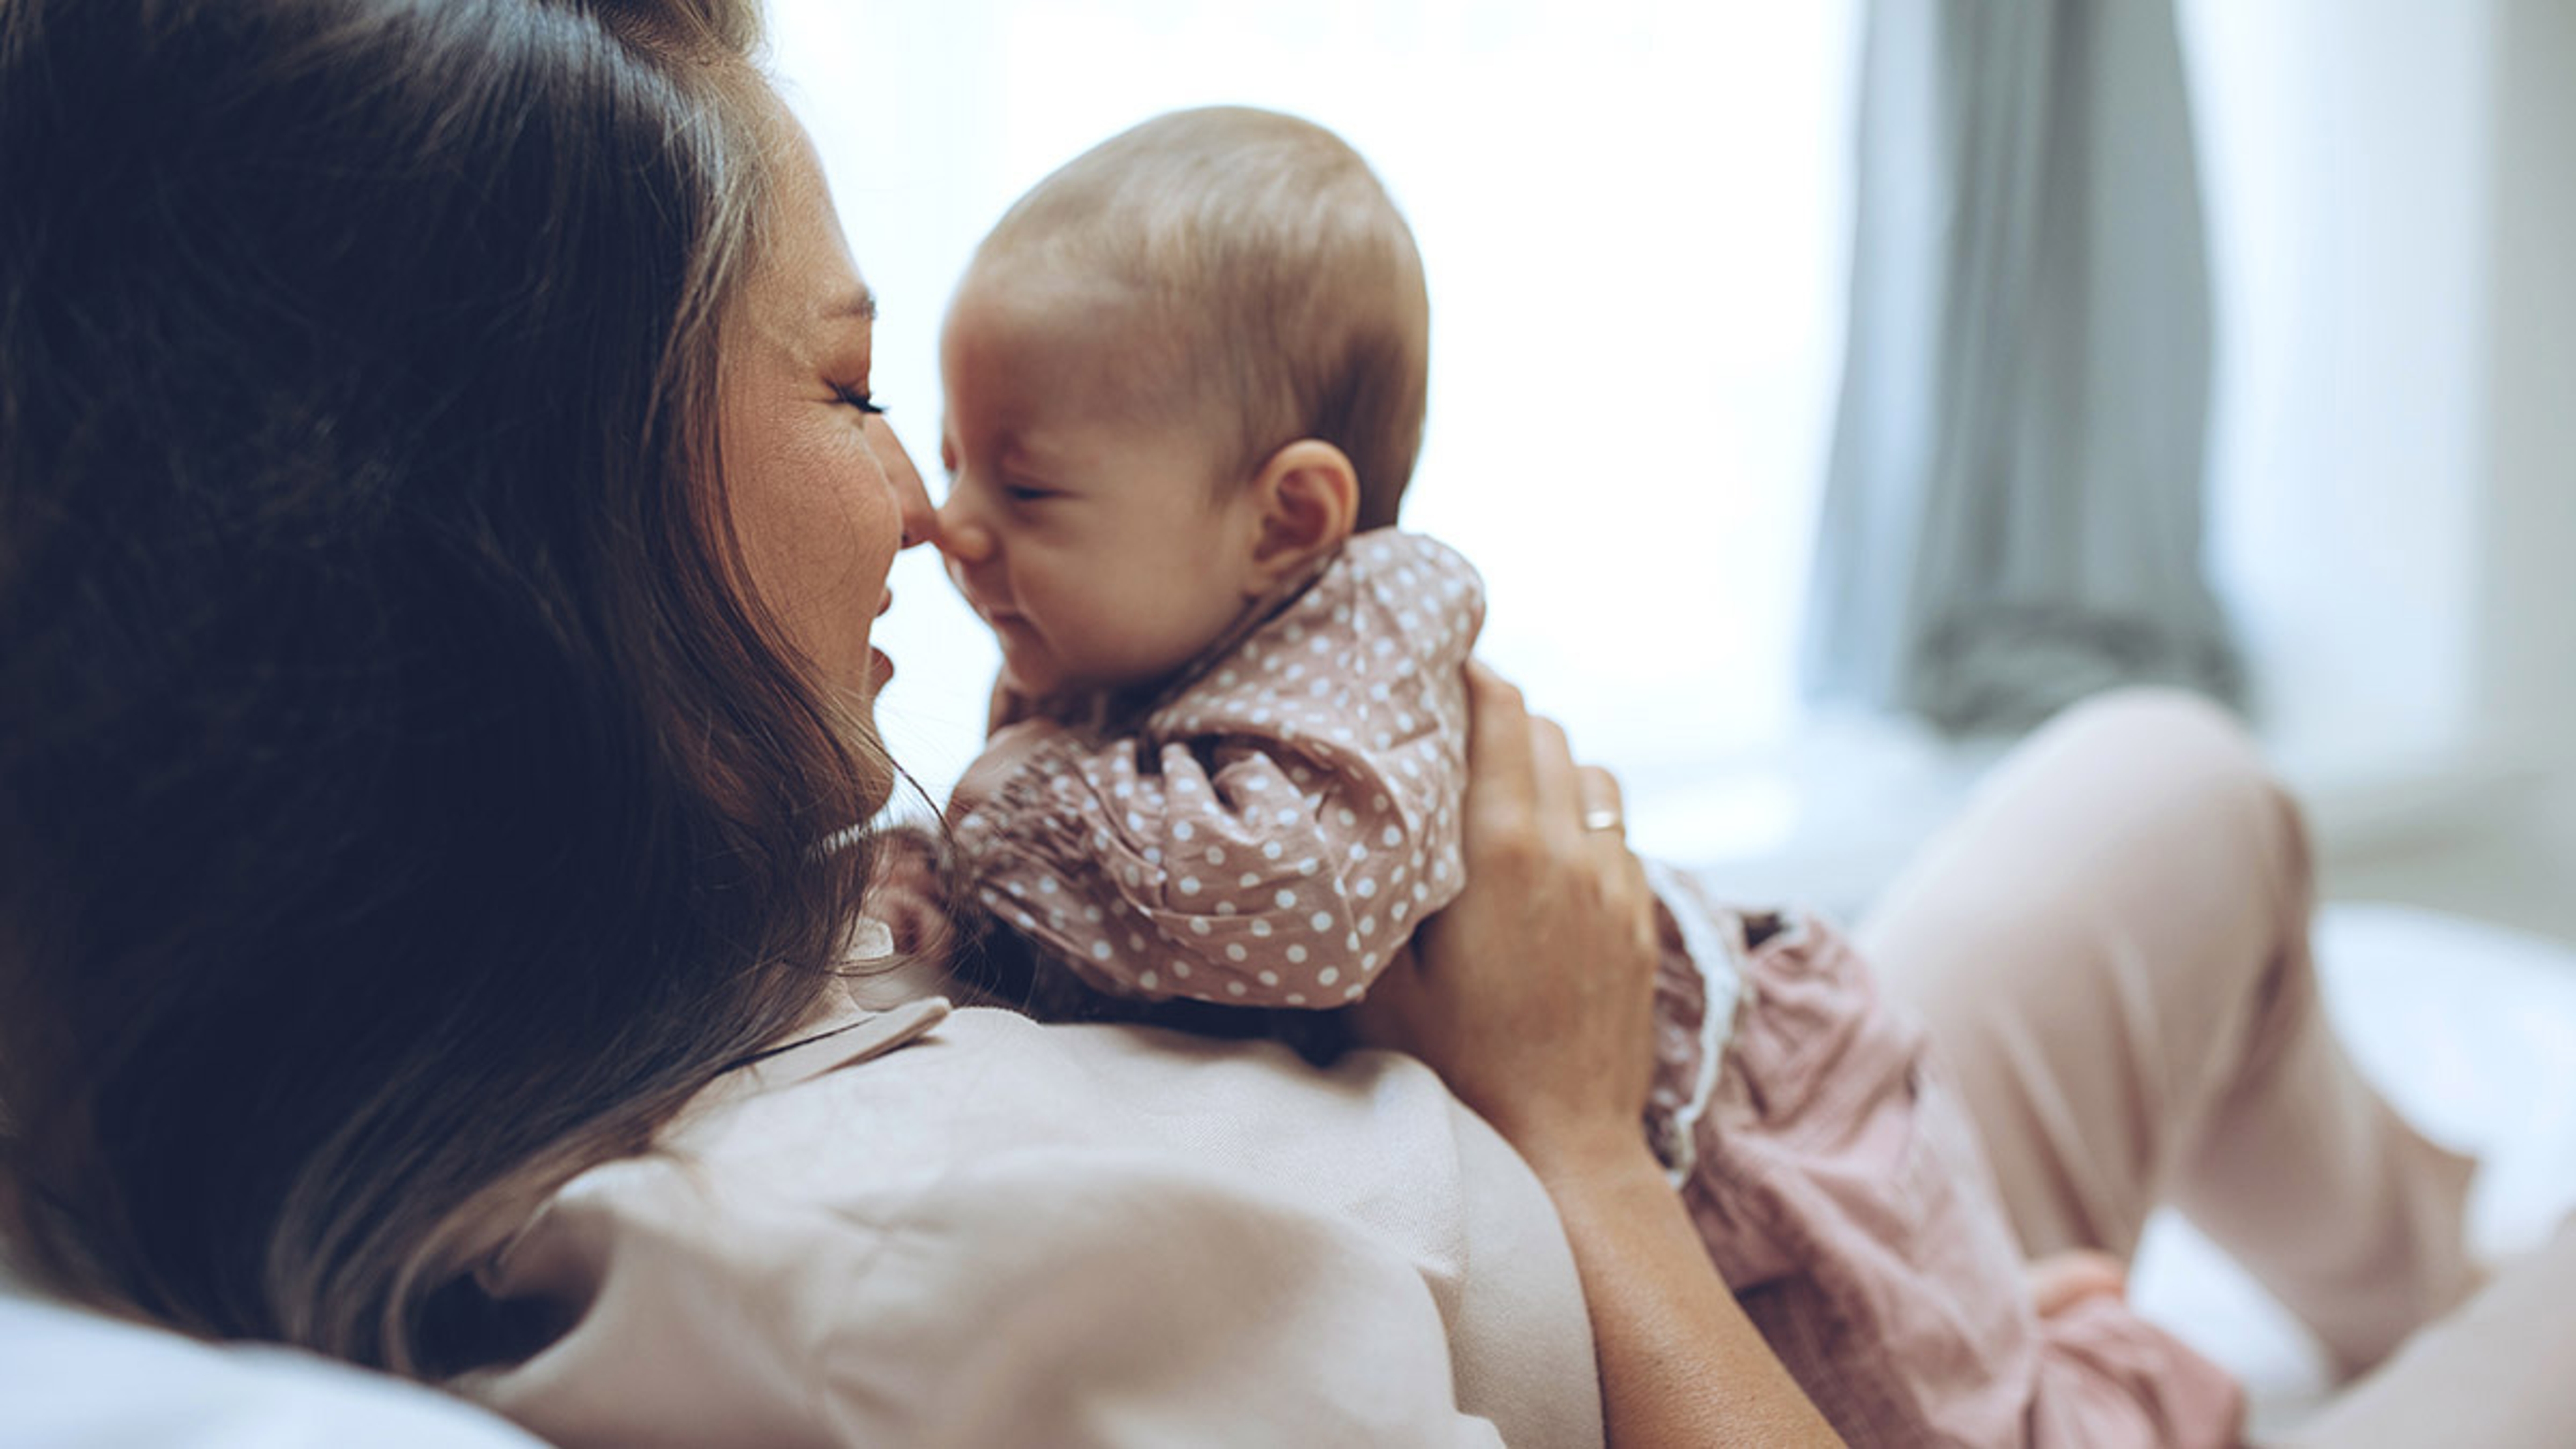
(912, 501)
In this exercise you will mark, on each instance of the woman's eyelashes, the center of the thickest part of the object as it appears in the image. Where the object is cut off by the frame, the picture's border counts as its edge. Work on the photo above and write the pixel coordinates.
(858, 398)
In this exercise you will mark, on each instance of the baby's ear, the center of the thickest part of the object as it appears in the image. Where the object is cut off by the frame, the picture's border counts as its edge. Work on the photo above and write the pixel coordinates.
(1308, 496)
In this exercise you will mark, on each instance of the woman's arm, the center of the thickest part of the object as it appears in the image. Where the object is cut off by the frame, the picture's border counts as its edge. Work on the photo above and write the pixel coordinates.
(1680, 1363)
(1533, 998)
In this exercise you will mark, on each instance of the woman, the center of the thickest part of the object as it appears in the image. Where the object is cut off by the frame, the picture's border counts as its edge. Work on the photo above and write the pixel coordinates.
(441, 514)
(430, 677)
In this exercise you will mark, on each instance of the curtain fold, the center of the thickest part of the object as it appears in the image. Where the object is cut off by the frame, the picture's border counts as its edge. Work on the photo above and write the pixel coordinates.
(2012, 515)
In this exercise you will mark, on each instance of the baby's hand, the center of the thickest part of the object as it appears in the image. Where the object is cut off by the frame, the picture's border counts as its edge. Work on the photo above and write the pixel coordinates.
(907, 890)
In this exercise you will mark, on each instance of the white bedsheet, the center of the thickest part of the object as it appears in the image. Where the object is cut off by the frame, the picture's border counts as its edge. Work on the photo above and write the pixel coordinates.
(2471, 1030)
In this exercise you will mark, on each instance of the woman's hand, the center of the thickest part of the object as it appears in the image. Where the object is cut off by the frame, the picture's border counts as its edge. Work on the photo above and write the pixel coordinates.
(1533, 993)
(1533, 996)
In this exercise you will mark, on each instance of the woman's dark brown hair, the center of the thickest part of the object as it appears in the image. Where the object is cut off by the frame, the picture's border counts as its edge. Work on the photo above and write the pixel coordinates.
(403, 805)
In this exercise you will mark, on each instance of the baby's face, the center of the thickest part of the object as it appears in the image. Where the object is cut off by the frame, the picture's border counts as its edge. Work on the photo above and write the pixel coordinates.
(1101, 549)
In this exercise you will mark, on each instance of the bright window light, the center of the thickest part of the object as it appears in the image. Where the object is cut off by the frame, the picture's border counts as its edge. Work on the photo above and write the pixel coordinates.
(1632, 213)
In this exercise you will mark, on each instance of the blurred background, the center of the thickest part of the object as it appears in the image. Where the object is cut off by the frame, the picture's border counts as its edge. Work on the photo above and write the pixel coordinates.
(1827, 390)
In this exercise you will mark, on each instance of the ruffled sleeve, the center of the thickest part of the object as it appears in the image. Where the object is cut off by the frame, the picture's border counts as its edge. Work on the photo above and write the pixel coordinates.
(1274, 831)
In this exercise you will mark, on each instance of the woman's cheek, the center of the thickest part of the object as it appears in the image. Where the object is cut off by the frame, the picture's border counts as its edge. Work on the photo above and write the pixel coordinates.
(818, 528)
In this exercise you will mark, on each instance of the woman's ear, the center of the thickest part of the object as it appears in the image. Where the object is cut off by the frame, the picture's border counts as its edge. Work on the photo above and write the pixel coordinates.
(1308, 496)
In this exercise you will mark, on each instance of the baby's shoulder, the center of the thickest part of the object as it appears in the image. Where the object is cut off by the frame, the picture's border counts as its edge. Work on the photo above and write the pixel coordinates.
(1417, 559)
(1411, 582)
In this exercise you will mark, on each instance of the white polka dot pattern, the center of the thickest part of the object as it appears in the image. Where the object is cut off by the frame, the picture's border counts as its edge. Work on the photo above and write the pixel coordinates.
(1262, 813)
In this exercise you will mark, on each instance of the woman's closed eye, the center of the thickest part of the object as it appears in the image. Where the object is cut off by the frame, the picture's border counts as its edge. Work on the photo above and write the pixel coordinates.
(858, 398)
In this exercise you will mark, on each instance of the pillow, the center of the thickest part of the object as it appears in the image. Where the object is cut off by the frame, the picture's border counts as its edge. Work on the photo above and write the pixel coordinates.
(70, 1378)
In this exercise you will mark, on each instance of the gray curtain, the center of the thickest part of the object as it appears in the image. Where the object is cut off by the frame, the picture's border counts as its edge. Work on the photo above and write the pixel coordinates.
(2013, 513)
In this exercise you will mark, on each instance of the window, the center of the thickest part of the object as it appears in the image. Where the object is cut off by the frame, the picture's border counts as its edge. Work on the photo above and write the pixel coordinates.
(1632, 216)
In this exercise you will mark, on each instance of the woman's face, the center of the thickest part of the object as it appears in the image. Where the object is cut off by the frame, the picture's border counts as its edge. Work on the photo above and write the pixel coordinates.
(820, 492)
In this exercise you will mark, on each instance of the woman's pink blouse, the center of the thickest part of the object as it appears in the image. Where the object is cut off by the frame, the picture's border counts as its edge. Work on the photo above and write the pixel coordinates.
(937, 1227)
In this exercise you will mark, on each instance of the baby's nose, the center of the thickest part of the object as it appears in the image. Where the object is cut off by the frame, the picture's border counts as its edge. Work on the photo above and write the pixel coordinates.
(961, 537)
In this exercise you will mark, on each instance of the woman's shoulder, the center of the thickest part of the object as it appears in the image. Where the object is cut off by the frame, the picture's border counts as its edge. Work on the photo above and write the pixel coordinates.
(924, 1097)
(992, 1216)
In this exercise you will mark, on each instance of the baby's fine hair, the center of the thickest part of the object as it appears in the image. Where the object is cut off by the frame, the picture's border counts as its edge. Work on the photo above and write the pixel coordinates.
(1281, 285)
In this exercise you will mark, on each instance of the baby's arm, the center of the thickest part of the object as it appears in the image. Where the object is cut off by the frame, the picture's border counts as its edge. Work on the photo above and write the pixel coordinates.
(1275, 833)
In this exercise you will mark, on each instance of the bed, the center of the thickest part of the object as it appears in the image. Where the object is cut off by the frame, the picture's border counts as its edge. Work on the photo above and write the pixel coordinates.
(2471, 1028)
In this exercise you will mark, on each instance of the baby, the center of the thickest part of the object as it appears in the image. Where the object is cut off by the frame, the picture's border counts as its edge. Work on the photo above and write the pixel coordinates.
(1185, 383)
(1185, 386)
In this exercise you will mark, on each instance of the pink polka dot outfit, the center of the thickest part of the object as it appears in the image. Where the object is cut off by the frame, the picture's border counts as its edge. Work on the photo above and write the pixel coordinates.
(1268, 831)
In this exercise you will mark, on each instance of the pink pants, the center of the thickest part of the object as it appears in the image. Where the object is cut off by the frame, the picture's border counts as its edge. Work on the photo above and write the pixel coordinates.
(2110, 954)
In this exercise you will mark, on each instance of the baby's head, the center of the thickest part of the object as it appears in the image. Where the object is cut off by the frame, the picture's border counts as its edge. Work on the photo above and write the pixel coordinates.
(1180, 371)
